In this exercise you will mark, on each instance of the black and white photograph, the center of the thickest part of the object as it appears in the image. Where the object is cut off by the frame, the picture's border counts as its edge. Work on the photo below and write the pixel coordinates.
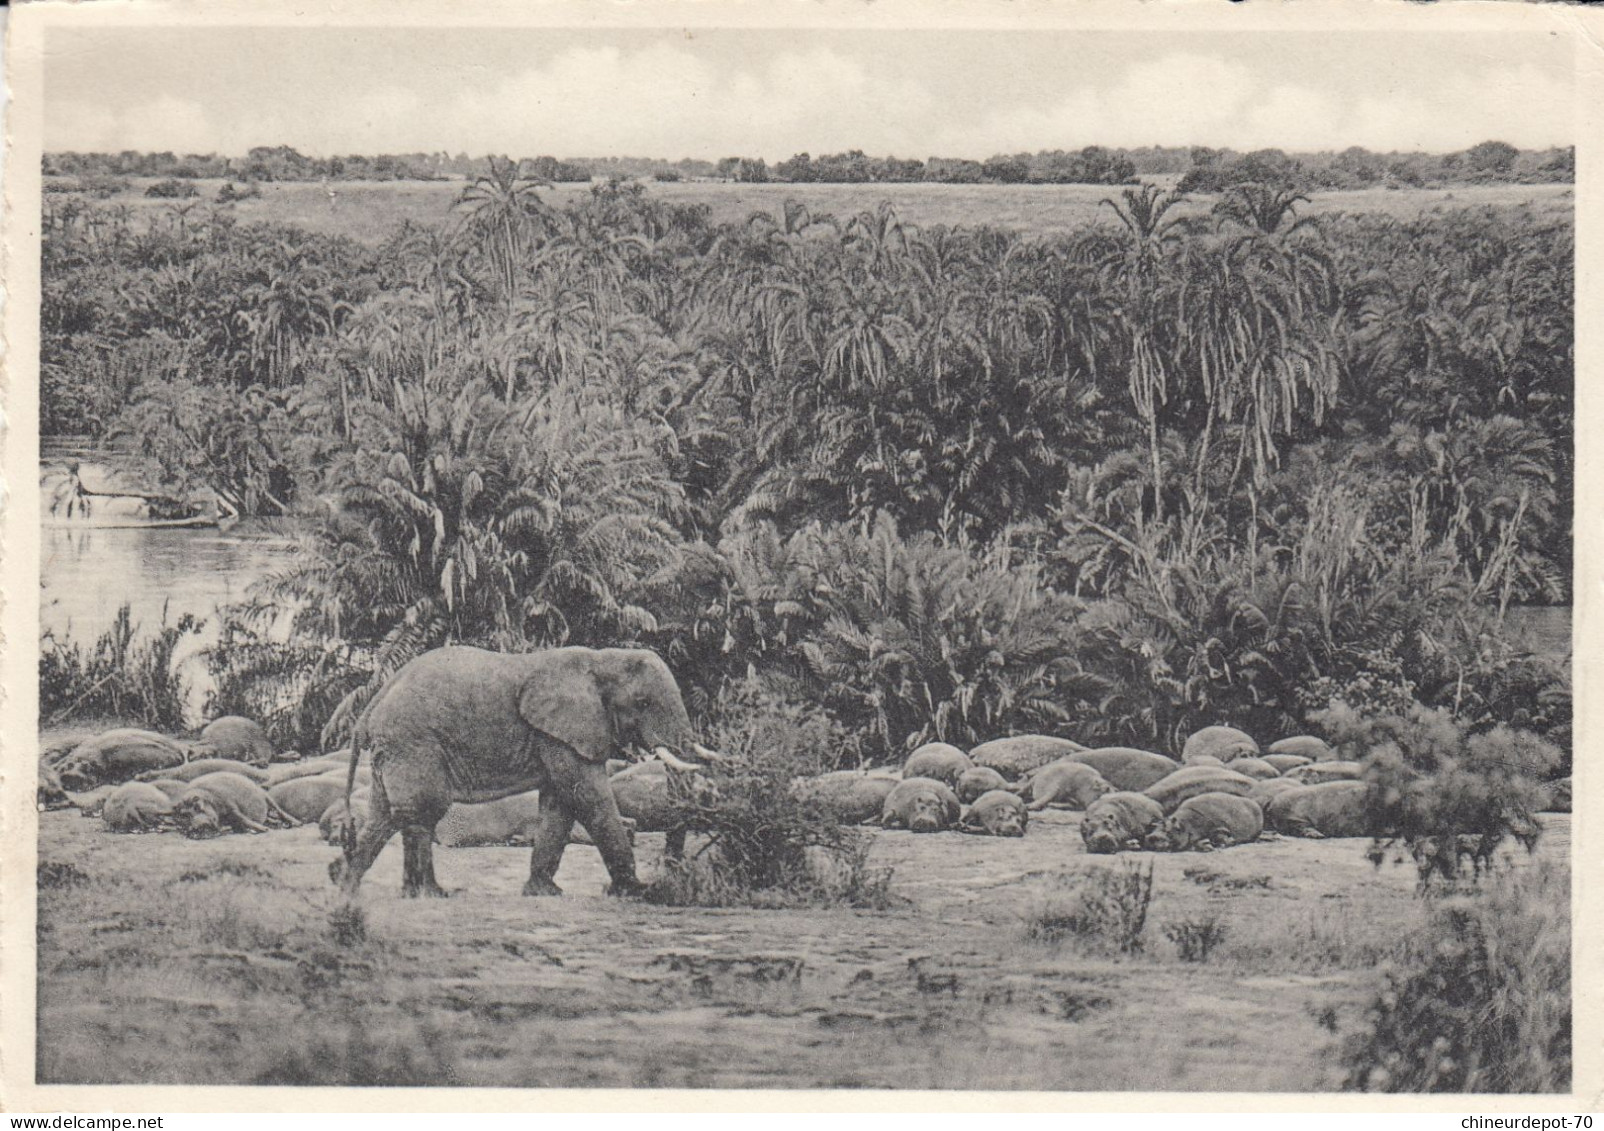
(1014, 556)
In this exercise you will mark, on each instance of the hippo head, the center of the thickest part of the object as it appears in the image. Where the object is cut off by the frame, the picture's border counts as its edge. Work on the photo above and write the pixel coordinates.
(51, 794)
(1102, 837)
(926, 814)
(1006, 819)
(79, 775)
(1165, 838)
(198, 815)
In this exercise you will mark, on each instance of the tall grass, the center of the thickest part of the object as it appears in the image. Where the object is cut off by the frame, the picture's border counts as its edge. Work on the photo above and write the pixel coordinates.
(125, 674)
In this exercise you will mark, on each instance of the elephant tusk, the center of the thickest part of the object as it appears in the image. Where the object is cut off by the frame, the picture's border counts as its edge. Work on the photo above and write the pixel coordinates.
(664, 754)
(707, 755)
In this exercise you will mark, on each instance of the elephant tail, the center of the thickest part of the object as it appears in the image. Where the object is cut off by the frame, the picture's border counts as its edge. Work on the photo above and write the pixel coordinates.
(348, 837)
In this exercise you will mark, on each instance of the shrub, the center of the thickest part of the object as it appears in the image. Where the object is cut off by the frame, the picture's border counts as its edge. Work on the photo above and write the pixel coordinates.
(1195, 938)
(124, 676)
(172, 189)
(1107, 912)
(1443, 794)
(1486, 1004)
(764, 846)
(360, 1055)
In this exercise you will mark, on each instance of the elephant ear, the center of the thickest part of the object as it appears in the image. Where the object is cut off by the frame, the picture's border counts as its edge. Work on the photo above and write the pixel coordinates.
(563, 701)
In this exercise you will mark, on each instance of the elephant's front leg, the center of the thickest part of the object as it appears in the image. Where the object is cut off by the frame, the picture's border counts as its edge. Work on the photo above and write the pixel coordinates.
(582, 788)
(553, 824)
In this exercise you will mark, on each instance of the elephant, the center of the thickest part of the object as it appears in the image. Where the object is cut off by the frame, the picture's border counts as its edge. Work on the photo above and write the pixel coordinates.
(462, 724)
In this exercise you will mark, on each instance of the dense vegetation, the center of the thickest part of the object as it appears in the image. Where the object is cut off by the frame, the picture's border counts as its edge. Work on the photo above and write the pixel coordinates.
(1202, 169)
(944, 483)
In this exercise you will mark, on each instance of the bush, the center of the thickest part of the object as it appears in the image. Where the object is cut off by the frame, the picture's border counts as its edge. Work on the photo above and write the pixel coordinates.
(172, 189)
(360, 1055)
(123, 676)
(1195, 938)
(764, 847)
(1486, 1004)
(1107, 912)
(1443, 794)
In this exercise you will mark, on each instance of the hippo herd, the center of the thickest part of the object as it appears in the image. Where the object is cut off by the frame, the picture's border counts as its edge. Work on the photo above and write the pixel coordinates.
(1222, 791)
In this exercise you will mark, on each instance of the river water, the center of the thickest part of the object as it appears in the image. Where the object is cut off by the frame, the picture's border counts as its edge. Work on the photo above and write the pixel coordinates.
(86, 575)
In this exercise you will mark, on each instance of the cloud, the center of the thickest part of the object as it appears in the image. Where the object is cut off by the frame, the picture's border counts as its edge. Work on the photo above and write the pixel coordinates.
(674, 97)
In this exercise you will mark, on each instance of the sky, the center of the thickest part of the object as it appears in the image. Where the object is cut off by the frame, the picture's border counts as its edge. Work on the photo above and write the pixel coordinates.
(772, 93)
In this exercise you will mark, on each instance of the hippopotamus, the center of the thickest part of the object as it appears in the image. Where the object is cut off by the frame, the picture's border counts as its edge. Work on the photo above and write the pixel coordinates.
(337, 762)
(995, 813)
(1225, 743)
(977, 780)
(1316, 772)
(1284, 762)
(1073, 785)
(1558, 799)
(117, 756)
(1201, 760)
(90, 802)
(50, 793)
(1304, 746)
(505, 821)
(304, 800)
(937, 760)
(220, 803)
(1118, 821)
(921, 805)
(1015, 757)
(343, 820)
(850, 797)
(192, 770)
(645, 794)
(1330, 809)
(1267, 788)
(1190, 781)
(172, 787)
(1126, 768)
(236, 738)
(136, 807)
(1208, 821)
(1256, 768)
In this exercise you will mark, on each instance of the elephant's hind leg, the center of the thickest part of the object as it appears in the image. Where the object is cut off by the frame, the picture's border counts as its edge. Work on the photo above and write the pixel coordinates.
(376, 832)
(418, 865)
(553, 824)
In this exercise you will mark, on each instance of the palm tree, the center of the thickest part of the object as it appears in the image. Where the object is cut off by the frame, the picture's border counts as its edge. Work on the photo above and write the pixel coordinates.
(503, 214)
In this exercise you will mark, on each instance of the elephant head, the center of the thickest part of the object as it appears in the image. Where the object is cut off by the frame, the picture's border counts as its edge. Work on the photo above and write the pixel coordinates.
(611, 702)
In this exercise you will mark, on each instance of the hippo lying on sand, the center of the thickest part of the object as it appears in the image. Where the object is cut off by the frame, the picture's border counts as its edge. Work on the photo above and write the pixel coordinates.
(998, 813)
(1316, 772)
(1225, 743)
(1330, 809)
(937, 760)
(851, 797)
(236, 738)
(921, 805)
(1190, 782)
(1073, 785)
(1206, 822)
(1126, 768)
(117, 756)
(1118, 821)
(136, 807)
(1015, 757)
(977, 780)
(192, 770)
(221, 803)
(304, 800)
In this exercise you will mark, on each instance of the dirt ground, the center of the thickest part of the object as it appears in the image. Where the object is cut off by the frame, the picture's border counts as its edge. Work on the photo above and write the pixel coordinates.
(234, 960)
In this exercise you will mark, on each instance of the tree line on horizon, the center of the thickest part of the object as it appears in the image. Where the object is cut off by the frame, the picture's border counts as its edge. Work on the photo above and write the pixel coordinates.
(1200, 169)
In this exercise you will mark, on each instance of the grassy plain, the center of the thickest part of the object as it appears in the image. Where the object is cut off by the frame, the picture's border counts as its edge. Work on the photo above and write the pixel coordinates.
(234, 961)
(371, 211)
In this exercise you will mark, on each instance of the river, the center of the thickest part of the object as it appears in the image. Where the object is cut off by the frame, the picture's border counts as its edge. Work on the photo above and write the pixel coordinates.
(87, 575)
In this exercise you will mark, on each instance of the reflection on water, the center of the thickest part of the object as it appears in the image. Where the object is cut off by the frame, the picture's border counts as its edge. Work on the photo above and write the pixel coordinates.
(1546, 631)
(86, 575)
